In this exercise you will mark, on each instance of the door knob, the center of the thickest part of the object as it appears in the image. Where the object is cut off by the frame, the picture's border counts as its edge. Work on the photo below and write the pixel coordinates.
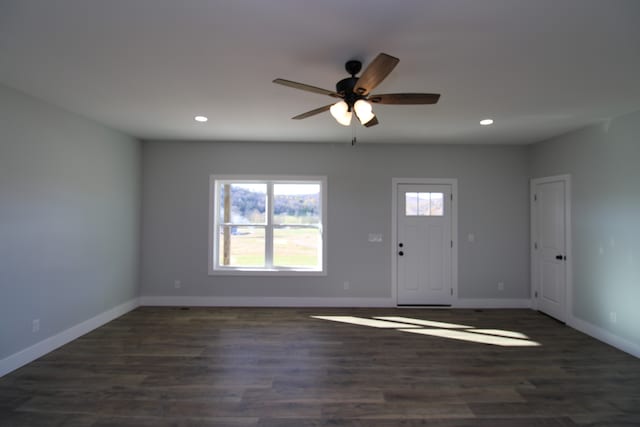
(560, 257)
(401, 253)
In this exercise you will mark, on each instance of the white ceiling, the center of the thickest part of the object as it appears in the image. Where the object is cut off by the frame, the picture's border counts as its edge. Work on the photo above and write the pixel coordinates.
(146, 67)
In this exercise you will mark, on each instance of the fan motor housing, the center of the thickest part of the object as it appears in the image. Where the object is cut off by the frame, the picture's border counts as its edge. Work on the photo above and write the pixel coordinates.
(345, 88)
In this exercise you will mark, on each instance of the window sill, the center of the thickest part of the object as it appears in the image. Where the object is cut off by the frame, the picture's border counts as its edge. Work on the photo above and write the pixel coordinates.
(266, 273)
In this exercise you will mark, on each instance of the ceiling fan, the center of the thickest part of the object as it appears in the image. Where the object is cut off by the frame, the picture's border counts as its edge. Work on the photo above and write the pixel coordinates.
(355, 92)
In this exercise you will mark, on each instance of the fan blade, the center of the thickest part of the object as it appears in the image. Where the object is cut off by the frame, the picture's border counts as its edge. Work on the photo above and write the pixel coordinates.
(405, 98)
(312, 112)
(308, 88)
(375, 73)
(372, 122)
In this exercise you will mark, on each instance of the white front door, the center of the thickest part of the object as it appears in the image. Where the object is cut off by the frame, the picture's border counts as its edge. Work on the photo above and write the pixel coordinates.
(550, 245)
(424, 244)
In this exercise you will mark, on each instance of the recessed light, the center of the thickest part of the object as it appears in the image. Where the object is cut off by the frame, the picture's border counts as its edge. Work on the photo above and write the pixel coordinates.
(200, 119)
(486, 122)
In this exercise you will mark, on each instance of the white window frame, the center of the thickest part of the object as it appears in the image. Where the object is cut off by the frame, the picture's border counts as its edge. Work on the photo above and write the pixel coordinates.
(418, 206)
(215, 269)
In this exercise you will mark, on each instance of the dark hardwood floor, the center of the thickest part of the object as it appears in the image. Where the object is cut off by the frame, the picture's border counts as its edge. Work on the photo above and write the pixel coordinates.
(283, 367)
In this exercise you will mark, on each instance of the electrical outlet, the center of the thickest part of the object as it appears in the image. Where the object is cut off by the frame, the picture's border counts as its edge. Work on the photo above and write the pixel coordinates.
(177, 284)
(35, 326)
(346, 285)
(501, 286)
(613, 316)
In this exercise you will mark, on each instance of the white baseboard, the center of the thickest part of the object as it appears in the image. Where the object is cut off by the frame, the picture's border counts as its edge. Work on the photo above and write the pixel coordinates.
(604, 336)
(39, 349)
(492, 303)
(210, 301)
(264, 301)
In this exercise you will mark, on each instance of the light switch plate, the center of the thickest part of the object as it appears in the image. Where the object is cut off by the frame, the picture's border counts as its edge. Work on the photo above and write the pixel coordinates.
(375, 237)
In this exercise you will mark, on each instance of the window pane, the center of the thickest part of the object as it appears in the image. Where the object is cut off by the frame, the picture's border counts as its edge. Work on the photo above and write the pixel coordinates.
(296, 247)
(241, 246)
(411, 204)
(423, 203)
(247, 203)
(437, 205)
(296, 203)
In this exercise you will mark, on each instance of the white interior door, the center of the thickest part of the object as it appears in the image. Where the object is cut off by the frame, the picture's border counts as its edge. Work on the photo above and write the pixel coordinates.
(424, 244)
(550, 246)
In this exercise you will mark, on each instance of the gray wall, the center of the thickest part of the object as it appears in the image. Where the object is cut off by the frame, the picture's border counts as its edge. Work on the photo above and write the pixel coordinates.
(69, 219)
(493, 204)
(603, 162)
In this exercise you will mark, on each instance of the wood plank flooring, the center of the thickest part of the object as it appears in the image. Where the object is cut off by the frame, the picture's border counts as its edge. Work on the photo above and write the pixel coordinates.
(264, 367)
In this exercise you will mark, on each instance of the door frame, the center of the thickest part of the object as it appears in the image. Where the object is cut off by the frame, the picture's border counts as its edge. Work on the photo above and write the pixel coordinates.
(453, 182)
(568, 297)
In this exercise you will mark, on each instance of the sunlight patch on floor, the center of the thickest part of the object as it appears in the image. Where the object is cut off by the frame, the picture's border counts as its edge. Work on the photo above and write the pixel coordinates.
(452, 331)
(471, 336)
(501, 333)
(366, 322)
(425, 322)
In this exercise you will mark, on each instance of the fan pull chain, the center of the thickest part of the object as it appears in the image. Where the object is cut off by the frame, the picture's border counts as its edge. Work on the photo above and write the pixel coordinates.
(353, 135)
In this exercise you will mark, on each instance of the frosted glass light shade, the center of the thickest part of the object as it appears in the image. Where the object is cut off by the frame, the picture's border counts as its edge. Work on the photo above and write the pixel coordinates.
(340, 112)
(364, 111)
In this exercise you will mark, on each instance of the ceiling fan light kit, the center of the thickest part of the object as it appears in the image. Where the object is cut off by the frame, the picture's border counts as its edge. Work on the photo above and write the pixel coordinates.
(354, 92)
(364, 111)
(341, 112)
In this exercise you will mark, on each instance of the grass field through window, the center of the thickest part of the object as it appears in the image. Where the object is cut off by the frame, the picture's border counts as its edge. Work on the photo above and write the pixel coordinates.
(292, 247)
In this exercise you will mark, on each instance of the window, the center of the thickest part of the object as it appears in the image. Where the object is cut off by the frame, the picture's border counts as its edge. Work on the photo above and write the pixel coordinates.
(265, 225)
(423, 204)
